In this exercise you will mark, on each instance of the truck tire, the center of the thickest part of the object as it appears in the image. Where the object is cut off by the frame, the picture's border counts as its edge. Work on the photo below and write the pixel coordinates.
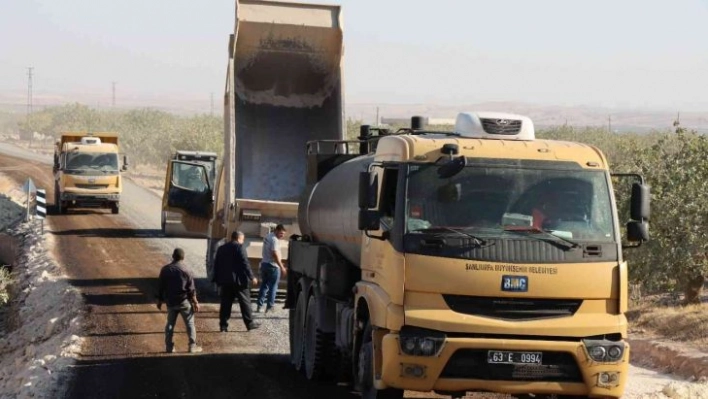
(213, 245)
(164, 233)
(317, 345)
(115, 208)
(59, 207)
(298, 330)
(365, 372)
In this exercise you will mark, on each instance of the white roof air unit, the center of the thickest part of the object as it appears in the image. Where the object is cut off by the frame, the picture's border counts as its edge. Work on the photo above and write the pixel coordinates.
(90, 140)
(494, 125)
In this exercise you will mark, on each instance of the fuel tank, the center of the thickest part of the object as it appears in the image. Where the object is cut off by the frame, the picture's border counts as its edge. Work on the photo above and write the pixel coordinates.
(329, 210)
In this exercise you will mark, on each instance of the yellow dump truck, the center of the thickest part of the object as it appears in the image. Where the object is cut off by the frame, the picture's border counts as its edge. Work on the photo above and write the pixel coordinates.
(187, 197)
(87, 171)
(476, 260)
(283, 88)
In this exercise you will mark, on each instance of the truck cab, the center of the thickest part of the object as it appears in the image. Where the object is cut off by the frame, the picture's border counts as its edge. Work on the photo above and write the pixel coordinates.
(187, 197)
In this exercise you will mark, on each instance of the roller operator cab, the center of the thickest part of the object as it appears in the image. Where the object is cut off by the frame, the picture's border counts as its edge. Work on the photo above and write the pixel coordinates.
(187, 200)
(482, 259)
(87, 171)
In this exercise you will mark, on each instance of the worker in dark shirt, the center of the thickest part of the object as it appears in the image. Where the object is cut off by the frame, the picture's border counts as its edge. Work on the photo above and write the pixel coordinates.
(178, 292)
(232, 273)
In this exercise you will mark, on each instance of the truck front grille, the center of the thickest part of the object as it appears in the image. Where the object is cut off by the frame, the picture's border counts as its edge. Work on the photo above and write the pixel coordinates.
(513, 308)
(501, 126)
(472, 364)
(93, 186)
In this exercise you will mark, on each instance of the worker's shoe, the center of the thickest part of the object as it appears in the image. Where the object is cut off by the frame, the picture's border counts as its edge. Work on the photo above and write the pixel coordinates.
(269, 309)
(253, 326)
(194, 348)
(224, 328)
(170, 348)
(258, 309)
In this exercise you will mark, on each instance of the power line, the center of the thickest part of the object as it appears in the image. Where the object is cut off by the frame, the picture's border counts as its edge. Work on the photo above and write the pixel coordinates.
(29, 103)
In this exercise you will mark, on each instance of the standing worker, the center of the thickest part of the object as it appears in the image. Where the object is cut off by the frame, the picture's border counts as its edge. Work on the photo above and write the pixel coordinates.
(232, 273)
(177, 289)
(271, 268)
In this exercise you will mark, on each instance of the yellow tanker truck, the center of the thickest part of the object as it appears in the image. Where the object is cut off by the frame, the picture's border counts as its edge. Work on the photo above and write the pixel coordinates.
(476, 260)
(87, 171)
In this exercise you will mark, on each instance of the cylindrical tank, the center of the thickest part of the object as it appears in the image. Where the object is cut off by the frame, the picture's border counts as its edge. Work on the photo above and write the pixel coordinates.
(329, 211)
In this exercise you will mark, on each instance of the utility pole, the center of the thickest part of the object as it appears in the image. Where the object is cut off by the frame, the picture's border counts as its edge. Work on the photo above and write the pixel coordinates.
(378, 121)
(677, 123)
(114, 94)
(609, 123)
(29, 104)
(212, 104)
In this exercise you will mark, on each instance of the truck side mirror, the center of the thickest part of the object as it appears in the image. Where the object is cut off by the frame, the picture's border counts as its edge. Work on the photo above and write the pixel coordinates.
(452, 167)
(125, 162)
(637, 231)
(640, 206)
(369, 220)
(368, 190)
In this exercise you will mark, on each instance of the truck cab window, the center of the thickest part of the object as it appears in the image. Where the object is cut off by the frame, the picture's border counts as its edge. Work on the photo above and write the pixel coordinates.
(190, 177)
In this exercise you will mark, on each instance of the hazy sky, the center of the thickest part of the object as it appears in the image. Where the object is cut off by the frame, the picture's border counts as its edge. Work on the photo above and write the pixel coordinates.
(614, 53)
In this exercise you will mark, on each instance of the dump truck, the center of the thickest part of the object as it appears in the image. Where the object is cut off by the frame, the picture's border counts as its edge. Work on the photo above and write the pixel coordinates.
(189, 177)
(481, 259)
(87, 171)
(283, 88)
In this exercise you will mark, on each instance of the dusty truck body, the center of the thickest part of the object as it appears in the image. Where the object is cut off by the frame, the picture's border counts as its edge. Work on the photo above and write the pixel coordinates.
(283, 88)
(480, 260)
(87, 171)
(189, 177)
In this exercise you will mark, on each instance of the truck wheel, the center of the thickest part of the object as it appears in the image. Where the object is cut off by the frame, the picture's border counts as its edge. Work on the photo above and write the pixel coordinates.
(57, 201)
(212, 246)
(298, 328)
(164, 233)
(115, 208)
(366, 371)
(317, 345)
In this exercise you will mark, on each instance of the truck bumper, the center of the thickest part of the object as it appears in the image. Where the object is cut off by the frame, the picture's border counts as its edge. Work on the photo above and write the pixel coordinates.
(462, 365)
(90, 200)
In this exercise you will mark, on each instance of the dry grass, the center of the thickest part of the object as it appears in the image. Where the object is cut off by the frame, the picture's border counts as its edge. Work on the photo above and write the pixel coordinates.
(662, 316)
(149, 177)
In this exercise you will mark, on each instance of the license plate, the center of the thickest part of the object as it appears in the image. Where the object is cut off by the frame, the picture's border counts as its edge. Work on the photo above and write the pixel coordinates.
(507, 357)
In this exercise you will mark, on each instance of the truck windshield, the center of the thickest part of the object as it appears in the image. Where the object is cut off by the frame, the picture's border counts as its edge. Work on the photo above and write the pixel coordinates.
(498, 201)
(92, 161)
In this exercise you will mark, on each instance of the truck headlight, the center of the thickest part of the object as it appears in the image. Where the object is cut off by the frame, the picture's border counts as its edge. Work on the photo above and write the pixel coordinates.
(604, 350)
(615, 352)
(416, 341)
